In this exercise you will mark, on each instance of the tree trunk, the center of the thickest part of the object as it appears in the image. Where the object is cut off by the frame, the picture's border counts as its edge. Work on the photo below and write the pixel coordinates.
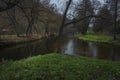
(14, 22)
(29, 28)
(64, 18)
(115, 19)
(46, 29)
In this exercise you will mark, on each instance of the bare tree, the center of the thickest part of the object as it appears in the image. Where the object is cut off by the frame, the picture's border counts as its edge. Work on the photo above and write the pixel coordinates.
(64, 18)
(31, 13)
(84, 8)
(12, 17)
(103, 26)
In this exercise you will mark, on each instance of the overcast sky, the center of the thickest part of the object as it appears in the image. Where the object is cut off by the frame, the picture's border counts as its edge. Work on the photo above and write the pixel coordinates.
(60, 4)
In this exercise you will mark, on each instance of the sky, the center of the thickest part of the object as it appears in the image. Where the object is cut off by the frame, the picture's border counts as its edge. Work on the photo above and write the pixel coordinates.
(61, 4)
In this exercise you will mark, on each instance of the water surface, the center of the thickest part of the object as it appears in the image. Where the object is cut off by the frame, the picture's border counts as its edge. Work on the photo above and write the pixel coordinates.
(66, 45)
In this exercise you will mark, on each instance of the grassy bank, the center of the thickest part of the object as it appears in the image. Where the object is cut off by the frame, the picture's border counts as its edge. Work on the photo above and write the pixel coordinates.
(60, 67)
(97, 38)
(10, 40)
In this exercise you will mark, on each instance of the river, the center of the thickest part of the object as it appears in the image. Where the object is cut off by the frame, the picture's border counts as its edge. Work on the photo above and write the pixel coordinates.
(66, 45)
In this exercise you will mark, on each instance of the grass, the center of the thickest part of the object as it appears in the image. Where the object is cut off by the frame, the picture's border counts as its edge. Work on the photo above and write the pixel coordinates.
(60, 67)
(96, 38)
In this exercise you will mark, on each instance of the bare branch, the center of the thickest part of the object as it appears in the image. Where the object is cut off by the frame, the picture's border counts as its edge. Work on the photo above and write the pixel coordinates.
(5, 5)
(90, 16)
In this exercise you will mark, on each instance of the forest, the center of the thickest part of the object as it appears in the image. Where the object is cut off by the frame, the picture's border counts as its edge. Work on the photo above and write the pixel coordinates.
(59, 39)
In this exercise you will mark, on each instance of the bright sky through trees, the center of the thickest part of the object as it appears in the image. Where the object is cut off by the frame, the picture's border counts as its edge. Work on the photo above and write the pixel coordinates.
(61, 4)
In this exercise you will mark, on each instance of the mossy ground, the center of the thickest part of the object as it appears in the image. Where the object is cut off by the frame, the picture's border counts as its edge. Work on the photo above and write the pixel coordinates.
(95, 38)
(60, 67)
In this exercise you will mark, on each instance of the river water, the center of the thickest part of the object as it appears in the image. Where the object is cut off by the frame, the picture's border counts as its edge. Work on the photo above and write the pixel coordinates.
(65, 45)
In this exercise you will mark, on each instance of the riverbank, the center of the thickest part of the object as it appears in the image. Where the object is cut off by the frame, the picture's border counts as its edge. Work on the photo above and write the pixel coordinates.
(11, 40)
(98, 38)
(59, 67)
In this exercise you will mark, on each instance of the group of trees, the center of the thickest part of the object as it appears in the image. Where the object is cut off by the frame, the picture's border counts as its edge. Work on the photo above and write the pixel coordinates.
(111, 12)
(84, 9)
(111, 24)
(24, 15)
(104, 26)
(28, 16)
(104, 18)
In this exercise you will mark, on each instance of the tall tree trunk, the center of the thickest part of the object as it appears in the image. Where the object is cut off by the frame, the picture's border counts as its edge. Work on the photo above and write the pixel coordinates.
(85, 21)
(64, 18)
(115, 19)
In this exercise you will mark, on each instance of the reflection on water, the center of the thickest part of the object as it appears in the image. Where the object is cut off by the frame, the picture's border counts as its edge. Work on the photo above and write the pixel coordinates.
(93, 49)
(67, 45)
(69, 48)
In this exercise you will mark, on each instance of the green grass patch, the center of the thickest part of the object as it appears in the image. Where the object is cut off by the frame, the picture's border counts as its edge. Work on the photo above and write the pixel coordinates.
(60, 67)
(95, 38)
